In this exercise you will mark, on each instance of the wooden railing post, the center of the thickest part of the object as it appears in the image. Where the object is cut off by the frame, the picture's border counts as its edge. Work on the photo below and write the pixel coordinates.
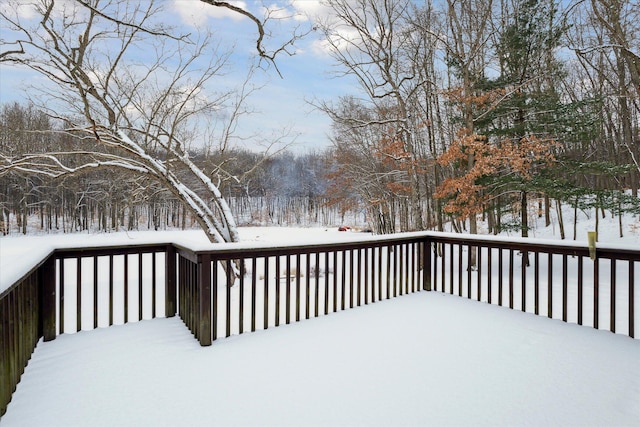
(48, 299)
(170, 282)
(426, 264)
(204, 303)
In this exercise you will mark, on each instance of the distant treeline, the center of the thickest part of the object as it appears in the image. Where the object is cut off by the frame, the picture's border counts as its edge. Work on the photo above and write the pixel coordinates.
(311, 189)
(283, 189)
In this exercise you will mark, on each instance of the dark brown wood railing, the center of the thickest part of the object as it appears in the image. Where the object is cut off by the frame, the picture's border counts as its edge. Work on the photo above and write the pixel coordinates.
(81, 289)
(559, 281)
(234, 289)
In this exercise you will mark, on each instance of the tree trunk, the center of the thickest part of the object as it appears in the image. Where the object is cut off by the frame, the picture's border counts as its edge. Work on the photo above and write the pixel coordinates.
(560, 218)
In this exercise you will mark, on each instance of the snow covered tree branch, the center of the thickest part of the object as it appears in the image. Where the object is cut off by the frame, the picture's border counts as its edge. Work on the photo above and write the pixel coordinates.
(130, 93)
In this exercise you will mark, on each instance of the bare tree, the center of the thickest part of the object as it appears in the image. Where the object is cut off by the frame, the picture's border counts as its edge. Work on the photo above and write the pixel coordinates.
(129, 90)
(377, 43)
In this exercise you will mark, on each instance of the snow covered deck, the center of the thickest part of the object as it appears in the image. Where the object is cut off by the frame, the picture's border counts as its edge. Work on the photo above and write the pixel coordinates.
(423, 358)
(420, 359)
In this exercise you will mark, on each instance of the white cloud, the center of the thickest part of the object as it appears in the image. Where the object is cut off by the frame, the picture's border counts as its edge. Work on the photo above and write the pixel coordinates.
(196, 13)
(18, 9)
(22, 10)
(310, 8)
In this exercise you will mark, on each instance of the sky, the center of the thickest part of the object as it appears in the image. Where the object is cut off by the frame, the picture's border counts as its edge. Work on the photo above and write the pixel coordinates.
(284, 100)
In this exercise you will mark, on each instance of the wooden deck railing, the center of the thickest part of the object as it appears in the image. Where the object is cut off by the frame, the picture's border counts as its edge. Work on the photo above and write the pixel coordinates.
(557, 280)
(235, 289)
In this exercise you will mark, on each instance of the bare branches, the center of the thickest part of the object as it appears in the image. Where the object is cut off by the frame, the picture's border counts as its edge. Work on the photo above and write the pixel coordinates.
(259, 26)
(8, 55)
(131, 112)
(263, 53)
(52, 166)
(157, 32)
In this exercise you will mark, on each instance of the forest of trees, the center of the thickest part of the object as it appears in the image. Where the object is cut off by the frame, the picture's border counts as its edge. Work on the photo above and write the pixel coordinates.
(478, 107)
(464, 110)
(283, 189)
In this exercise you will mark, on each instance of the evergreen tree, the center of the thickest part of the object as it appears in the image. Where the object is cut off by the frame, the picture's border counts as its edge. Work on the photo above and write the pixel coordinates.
(531, 112)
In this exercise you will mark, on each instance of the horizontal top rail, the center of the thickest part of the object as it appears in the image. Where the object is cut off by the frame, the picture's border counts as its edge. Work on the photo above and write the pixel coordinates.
(558, 247)
(110, 250)
(231, 250)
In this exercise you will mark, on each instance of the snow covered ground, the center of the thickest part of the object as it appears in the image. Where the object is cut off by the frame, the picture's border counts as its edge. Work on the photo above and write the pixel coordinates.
(421, 359)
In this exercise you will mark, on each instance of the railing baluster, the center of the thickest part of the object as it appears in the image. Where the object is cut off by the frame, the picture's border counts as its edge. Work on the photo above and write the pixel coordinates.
(359, 276)
(153, 285)
(372, 270)
(580, 290)
(429, 282)
(308, 286)
(254, 285)
(266, 293)
(140, 286)
(170, 281)
(288, 290)
(317, 285)
(460, 270)
(469, 262)
(631, 299)
(411, 265)
(489, 274)
(326, 283)
(61, 283)
(351, 278)
(399, 269)
(78, 294)
(550, 286)
(564, 287)
(404, 270)
(48, 308)
(227, 293)
(110, 289)
(390, 258)
(379, 272)
(536, 281)
(523, 280)
(500, 279)
(207, 306)
(596, 291)
(441, 248)
(277, 258)
(298, 272)
(451, 268)
(511, 278)
(126, 288)
(612, 297)
(95, 292)
(335, 281)
(366, 275)
(242, 262)
(479, 273)
(343, 294)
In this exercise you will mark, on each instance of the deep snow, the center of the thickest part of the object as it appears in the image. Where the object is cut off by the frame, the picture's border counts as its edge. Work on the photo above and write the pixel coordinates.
(421, 359)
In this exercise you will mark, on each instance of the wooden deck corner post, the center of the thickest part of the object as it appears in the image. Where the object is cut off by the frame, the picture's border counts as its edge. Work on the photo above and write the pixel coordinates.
(426, 264)
(47, 279)
(204, 303)
(170, 282)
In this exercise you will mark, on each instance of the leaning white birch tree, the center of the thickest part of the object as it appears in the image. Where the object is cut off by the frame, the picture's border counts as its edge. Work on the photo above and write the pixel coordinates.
(128, 89)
